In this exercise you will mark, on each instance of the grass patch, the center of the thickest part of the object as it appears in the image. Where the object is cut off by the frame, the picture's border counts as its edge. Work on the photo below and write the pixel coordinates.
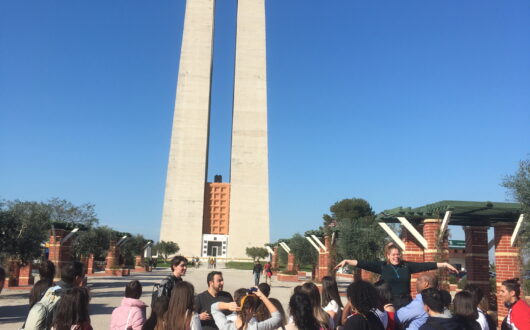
(242, 265)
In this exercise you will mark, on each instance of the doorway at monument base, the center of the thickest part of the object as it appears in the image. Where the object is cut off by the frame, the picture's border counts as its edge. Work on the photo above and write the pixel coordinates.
(214, 245)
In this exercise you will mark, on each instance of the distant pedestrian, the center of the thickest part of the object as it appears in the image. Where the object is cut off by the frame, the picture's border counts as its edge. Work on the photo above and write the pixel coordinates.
(46, 273)
(267, 271)
(72, 311)
(131, 313)
(256, 271)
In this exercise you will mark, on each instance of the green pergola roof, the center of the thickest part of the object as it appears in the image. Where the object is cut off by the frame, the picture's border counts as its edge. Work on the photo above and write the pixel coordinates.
(463, 213)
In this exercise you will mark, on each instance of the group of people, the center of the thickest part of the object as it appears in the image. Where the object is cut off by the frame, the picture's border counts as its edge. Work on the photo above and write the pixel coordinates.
(384, 305)
(257, 270)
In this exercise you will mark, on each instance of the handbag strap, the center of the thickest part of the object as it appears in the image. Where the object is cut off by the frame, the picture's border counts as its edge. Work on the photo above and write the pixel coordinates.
(128, 317)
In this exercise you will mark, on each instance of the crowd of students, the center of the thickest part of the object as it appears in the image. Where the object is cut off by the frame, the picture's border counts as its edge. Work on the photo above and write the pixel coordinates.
(175, 305)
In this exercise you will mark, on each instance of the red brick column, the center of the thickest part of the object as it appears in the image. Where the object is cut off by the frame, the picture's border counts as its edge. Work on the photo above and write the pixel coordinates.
(59, 253)
(111, 264)
(139, 263)
(90, 264)
(413, 252)
(506, 261)
(275, 258)
(25, 277)
(13, 273)
(325, 263)
(477, 260)
(291, 264)
(437, 251)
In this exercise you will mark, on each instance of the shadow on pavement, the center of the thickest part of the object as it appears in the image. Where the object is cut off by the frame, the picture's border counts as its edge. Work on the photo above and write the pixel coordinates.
(14, 313)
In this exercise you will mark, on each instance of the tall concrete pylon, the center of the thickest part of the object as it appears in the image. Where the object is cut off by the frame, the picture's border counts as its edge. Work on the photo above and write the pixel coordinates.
(249, 178)
(187, 167)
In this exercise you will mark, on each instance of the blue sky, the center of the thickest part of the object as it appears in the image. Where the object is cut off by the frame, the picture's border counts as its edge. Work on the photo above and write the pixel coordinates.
(400, 103)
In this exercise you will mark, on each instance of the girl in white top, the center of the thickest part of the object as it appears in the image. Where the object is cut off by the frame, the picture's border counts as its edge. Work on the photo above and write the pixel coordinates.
(180, 314)
(331, 298)
(246, 313)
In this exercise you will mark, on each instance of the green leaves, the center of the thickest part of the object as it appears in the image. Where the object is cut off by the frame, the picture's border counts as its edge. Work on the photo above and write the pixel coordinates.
(257, 253)
(166, 248)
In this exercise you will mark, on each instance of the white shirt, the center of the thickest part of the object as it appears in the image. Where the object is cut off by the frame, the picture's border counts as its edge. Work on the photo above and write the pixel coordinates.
(482, 320)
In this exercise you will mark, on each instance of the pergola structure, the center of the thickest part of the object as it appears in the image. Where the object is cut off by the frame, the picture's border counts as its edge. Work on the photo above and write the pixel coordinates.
(423, 237)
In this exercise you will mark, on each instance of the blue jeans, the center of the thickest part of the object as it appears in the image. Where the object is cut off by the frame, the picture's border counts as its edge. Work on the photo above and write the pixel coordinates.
(256, 278)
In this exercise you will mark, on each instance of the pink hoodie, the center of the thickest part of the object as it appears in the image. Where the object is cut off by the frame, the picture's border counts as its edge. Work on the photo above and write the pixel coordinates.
(132, 309)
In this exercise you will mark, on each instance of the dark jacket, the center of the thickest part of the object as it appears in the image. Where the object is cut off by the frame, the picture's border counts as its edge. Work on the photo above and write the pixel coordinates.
(167, 284)
(441, 323)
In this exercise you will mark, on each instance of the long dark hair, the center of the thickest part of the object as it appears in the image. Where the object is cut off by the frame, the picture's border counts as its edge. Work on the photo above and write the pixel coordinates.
(72, 309)
(47, 273)
(180, 308)
(464, 306)
(363, 296)
(301, 310)
(157, 313)
(311, 290)
(330, 291)
(384, 291)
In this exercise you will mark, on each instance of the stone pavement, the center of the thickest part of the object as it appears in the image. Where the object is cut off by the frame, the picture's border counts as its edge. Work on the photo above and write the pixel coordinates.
(107, 292)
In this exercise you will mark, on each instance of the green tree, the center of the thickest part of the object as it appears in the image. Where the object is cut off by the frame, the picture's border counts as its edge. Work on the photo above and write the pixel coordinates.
(166, 248)
(64, 211)
(304, 252)
(518, 186)
(23, 229)
(257, 253)
(359, 235)
(132, 247)
(346, 209)
(94, 240)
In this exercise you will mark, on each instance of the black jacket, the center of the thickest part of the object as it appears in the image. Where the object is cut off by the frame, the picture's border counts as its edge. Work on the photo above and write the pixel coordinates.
(441, 323)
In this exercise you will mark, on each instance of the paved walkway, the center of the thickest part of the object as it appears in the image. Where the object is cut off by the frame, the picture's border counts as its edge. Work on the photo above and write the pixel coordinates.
(107, 292)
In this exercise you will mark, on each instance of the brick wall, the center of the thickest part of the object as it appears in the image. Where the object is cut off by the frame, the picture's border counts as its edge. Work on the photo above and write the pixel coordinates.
(413, 252)
(477, 260)
(506, 260)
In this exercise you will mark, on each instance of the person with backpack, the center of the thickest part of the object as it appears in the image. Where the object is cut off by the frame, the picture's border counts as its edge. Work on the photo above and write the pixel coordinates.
(131, 313)
(72, 311)
(41, 314)
(179, 265)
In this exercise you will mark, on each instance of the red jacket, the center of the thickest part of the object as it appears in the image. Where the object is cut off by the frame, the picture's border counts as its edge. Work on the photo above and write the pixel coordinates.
(519, 316)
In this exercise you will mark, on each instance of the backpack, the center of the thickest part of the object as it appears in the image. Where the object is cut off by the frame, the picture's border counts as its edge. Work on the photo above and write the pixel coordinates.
(160, 289)
(41, 314)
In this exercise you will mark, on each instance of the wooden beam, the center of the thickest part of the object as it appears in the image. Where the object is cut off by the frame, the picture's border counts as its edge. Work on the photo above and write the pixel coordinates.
(517, 229)
(285, 247)
(392, 235)
(319, 243)
(445, 223)
(413, 231)
(313, 243)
